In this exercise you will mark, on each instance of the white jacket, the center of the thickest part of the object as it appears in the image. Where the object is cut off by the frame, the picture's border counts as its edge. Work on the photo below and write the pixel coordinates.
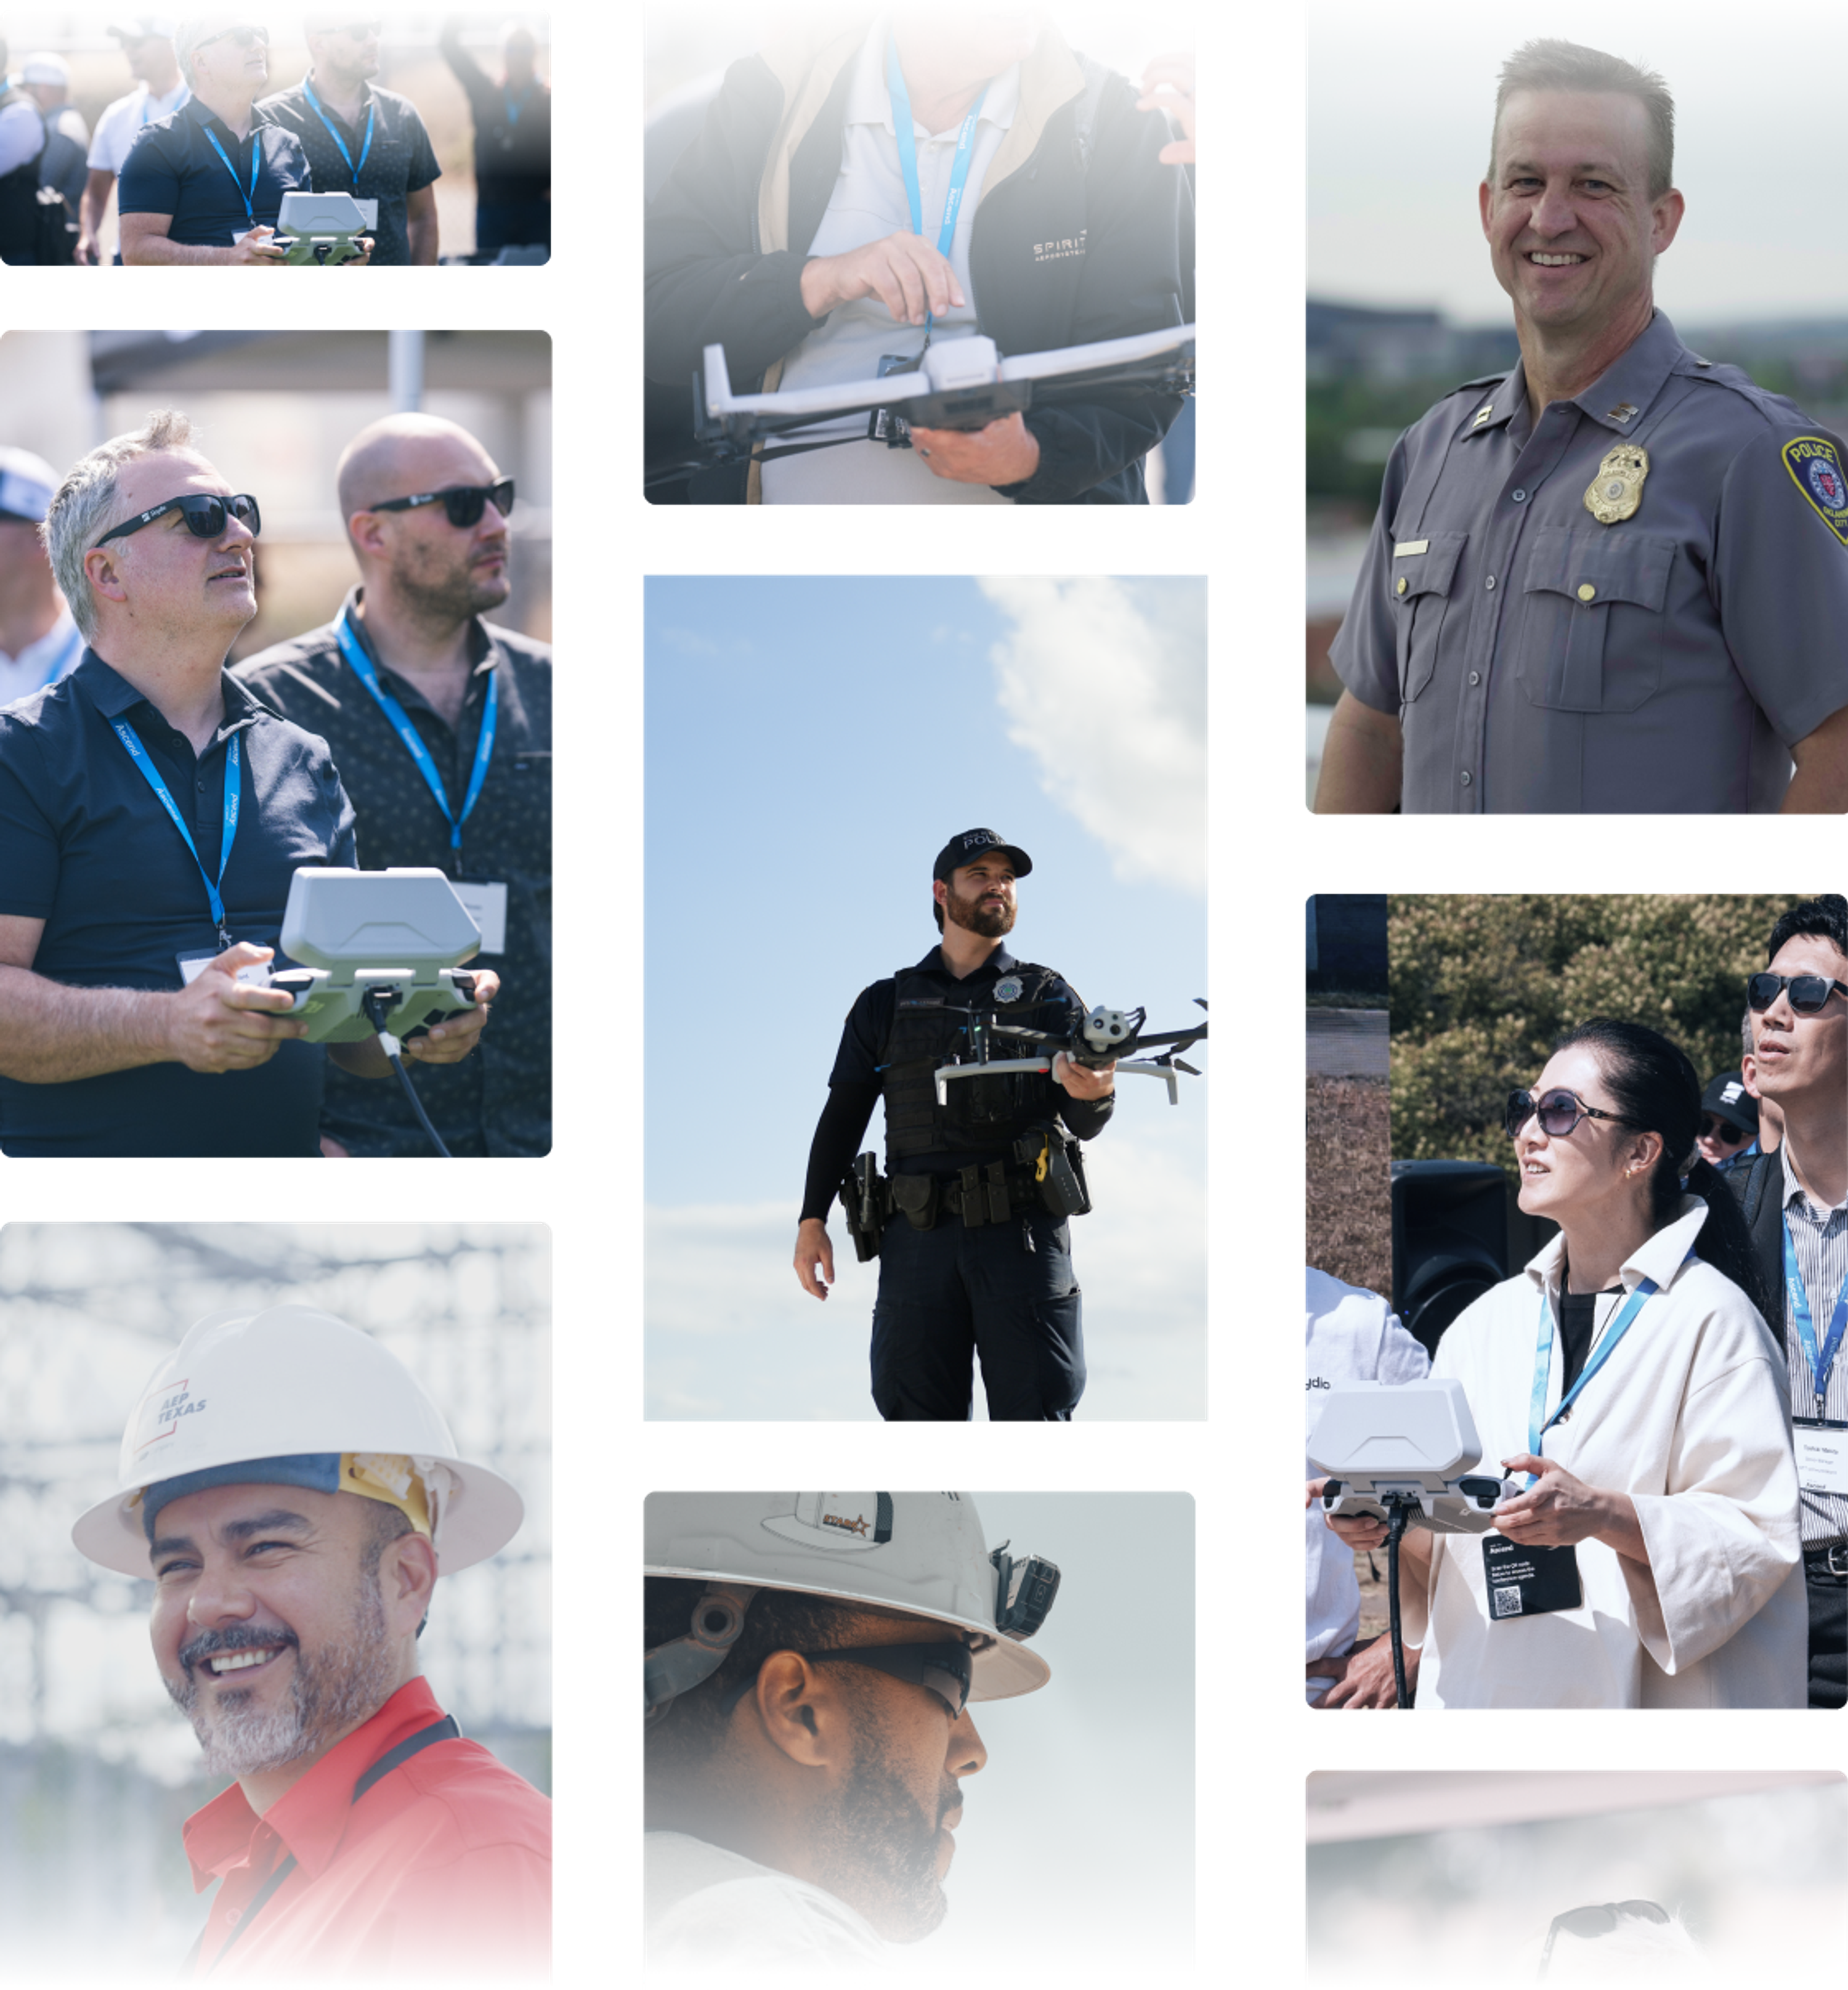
(1691, 1419)
(704, 1907)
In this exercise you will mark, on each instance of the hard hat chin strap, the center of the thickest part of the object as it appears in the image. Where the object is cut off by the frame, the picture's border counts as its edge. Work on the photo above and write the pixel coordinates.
(673, 1669)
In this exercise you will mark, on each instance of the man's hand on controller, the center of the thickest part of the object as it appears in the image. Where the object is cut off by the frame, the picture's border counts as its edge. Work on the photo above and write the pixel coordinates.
(1006, 452)
(217, 1023)
(451, 1040)
(1081, 1080)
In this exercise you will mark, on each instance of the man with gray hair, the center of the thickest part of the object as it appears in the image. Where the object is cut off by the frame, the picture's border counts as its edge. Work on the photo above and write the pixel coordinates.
(152, 815)
(205, 184)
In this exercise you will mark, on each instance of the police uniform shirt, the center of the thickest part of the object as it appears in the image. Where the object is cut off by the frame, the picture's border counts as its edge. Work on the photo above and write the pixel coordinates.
(172, 169)
(400, 160)
(855, 1084)
(1542, 661)
(88, 849)
(498, 1099)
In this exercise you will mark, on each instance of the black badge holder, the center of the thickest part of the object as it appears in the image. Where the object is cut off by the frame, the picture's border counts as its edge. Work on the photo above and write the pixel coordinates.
(1529, 1581)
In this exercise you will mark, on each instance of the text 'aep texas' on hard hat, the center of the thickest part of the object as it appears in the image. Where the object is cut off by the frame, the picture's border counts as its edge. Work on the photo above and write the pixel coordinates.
(293, 1396)
(922, 1552)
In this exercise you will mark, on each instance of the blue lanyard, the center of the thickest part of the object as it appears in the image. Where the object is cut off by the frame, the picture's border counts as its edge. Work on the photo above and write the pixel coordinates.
(256, 160)
(907, 155)
(233, 790)
(354, 653)
(512, 103)
(1539, 1423)
(1822, 1363)
(364, 150)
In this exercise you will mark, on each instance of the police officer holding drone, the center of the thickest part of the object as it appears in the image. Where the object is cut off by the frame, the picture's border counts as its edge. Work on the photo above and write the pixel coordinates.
(970, 1225)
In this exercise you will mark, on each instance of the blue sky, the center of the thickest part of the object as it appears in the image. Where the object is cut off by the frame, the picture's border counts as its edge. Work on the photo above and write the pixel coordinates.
(812, 743)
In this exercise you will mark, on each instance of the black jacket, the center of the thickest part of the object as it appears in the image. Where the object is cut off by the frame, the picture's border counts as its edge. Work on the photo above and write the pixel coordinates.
(1091, 176)
(1759, 1185)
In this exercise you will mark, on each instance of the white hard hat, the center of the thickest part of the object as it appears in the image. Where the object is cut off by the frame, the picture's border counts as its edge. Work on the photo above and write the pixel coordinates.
(920, 1552)
(285, 1388)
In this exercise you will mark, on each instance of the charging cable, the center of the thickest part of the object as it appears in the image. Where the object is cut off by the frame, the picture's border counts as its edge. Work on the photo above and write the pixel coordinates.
(374, 1006)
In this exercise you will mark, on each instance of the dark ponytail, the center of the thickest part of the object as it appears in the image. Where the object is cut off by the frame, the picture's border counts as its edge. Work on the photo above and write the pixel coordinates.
(1658, 1091)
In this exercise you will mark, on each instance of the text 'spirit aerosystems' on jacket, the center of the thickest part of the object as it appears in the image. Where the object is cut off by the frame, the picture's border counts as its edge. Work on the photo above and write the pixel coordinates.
(892, 1054)
(444, 1863)
(1691, 1418)
(728, 234)
(704, 1907)
(1542, 661)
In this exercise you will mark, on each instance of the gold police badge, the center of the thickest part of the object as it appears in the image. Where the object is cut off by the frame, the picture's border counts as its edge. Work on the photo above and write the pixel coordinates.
(1617, 490)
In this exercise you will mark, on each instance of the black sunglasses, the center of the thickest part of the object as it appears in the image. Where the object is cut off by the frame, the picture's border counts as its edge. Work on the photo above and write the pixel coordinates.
(464, 502)
(1721, 1129)
(245, 37)
(204, 517)
(1808, 993)
(1560, 1112)
(1589, 1923)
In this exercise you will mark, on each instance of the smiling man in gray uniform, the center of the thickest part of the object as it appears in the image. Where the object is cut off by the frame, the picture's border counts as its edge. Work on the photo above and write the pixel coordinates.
(1617, 580)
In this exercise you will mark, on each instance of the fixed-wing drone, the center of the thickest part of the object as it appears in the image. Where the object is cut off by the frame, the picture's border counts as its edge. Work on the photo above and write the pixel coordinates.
(1101, 1037)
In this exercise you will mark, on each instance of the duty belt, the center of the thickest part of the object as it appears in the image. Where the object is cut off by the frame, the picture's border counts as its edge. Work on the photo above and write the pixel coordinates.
(1042, 1170)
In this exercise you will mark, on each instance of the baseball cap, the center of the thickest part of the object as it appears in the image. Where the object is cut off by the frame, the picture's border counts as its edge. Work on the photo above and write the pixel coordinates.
(1727, 1098)
(964, 849)
(45, 67)
(27, 483)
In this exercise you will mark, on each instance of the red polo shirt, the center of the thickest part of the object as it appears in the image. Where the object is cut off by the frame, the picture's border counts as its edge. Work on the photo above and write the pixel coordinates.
(446, 1859)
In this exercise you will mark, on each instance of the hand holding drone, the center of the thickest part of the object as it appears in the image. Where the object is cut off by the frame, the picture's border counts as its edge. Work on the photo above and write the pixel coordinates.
(956, 383)
(1100, 1038)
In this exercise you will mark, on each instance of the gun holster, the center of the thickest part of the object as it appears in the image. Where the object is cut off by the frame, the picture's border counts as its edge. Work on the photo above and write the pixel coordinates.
(862, 1198)
(916, 1196)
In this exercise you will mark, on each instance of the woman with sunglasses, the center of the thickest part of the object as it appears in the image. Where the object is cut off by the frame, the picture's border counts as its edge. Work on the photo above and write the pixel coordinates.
(1627, 1384)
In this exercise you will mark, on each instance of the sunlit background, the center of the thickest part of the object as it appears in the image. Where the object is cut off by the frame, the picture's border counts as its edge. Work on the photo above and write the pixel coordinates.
(801, 782)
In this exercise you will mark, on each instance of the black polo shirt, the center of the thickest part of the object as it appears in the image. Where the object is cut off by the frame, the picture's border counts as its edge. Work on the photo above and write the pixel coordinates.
(172, 169)
(400, 160)
(498, 1099)
(88, 849)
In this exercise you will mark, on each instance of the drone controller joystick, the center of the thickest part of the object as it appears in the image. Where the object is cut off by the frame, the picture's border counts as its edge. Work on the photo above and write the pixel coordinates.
(383, 952)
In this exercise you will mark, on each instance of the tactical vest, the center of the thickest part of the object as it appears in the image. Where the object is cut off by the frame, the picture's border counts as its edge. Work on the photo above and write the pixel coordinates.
(980, 1113)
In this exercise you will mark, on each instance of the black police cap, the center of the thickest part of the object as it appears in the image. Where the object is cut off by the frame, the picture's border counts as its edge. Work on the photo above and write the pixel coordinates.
(962, 850)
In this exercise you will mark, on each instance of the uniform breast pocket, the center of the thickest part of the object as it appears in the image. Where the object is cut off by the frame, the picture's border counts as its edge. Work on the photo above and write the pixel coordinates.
(1593, 624)
(1421, 583)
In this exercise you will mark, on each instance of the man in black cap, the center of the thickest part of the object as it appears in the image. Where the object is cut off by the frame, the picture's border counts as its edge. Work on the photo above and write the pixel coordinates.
(1729, 1119)
(975, 1255)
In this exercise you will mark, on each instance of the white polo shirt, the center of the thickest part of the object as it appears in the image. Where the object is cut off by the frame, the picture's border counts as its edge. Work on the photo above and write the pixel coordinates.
(54, 655)
(125, 120)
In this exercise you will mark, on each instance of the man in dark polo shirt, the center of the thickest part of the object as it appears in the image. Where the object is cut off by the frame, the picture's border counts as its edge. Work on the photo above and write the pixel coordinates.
(151, 815)
(206, 184)
(513, 141)
(367, 142)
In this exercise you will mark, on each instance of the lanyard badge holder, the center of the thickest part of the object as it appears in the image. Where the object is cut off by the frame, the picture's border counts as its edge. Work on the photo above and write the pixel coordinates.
(1524, 1581)
(256, 160)
(1822, 1445)
(131, 740)
(882, 426)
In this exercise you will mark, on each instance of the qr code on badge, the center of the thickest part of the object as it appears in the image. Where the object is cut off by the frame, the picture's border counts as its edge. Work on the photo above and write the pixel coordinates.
(1507, 1602)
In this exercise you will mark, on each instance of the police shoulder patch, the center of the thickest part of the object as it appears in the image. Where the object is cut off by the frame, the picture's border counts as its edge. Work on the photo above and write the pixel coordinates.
(1814, 464)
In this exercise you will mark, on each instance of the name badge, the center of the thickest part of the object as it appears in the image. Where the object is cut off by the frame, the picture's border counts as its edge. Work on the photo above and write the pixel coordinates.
(193, 965)
(1529, 1582)
(1821, 1455)
(487, 906)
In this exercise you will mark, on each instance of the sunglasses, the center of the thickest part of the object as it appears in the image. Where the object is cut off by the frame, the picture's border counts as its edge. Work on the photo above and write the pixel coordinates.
(1589, 1923)
(245, 38)
(1722, 1130)
(1808, 993)
(1559, 1112)
(464, 502)
(948, 1670)
(204, 517)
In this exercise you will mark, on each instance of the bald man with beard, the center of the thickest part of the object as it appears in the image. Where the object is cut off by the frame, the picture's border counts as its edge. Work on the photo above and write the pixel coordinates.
(440, 723)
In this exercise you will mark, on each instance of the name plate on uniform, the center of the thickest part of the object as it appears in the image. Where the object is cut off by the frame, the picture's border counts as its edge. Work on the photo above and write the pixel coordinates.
(487, 906)
(1529, 1582)
(1821, 1455)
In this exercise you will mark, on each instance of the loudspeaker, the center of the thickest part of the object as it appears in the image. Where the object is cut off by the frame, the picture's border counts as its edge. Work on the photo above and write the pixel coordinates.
(1450, 1241)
